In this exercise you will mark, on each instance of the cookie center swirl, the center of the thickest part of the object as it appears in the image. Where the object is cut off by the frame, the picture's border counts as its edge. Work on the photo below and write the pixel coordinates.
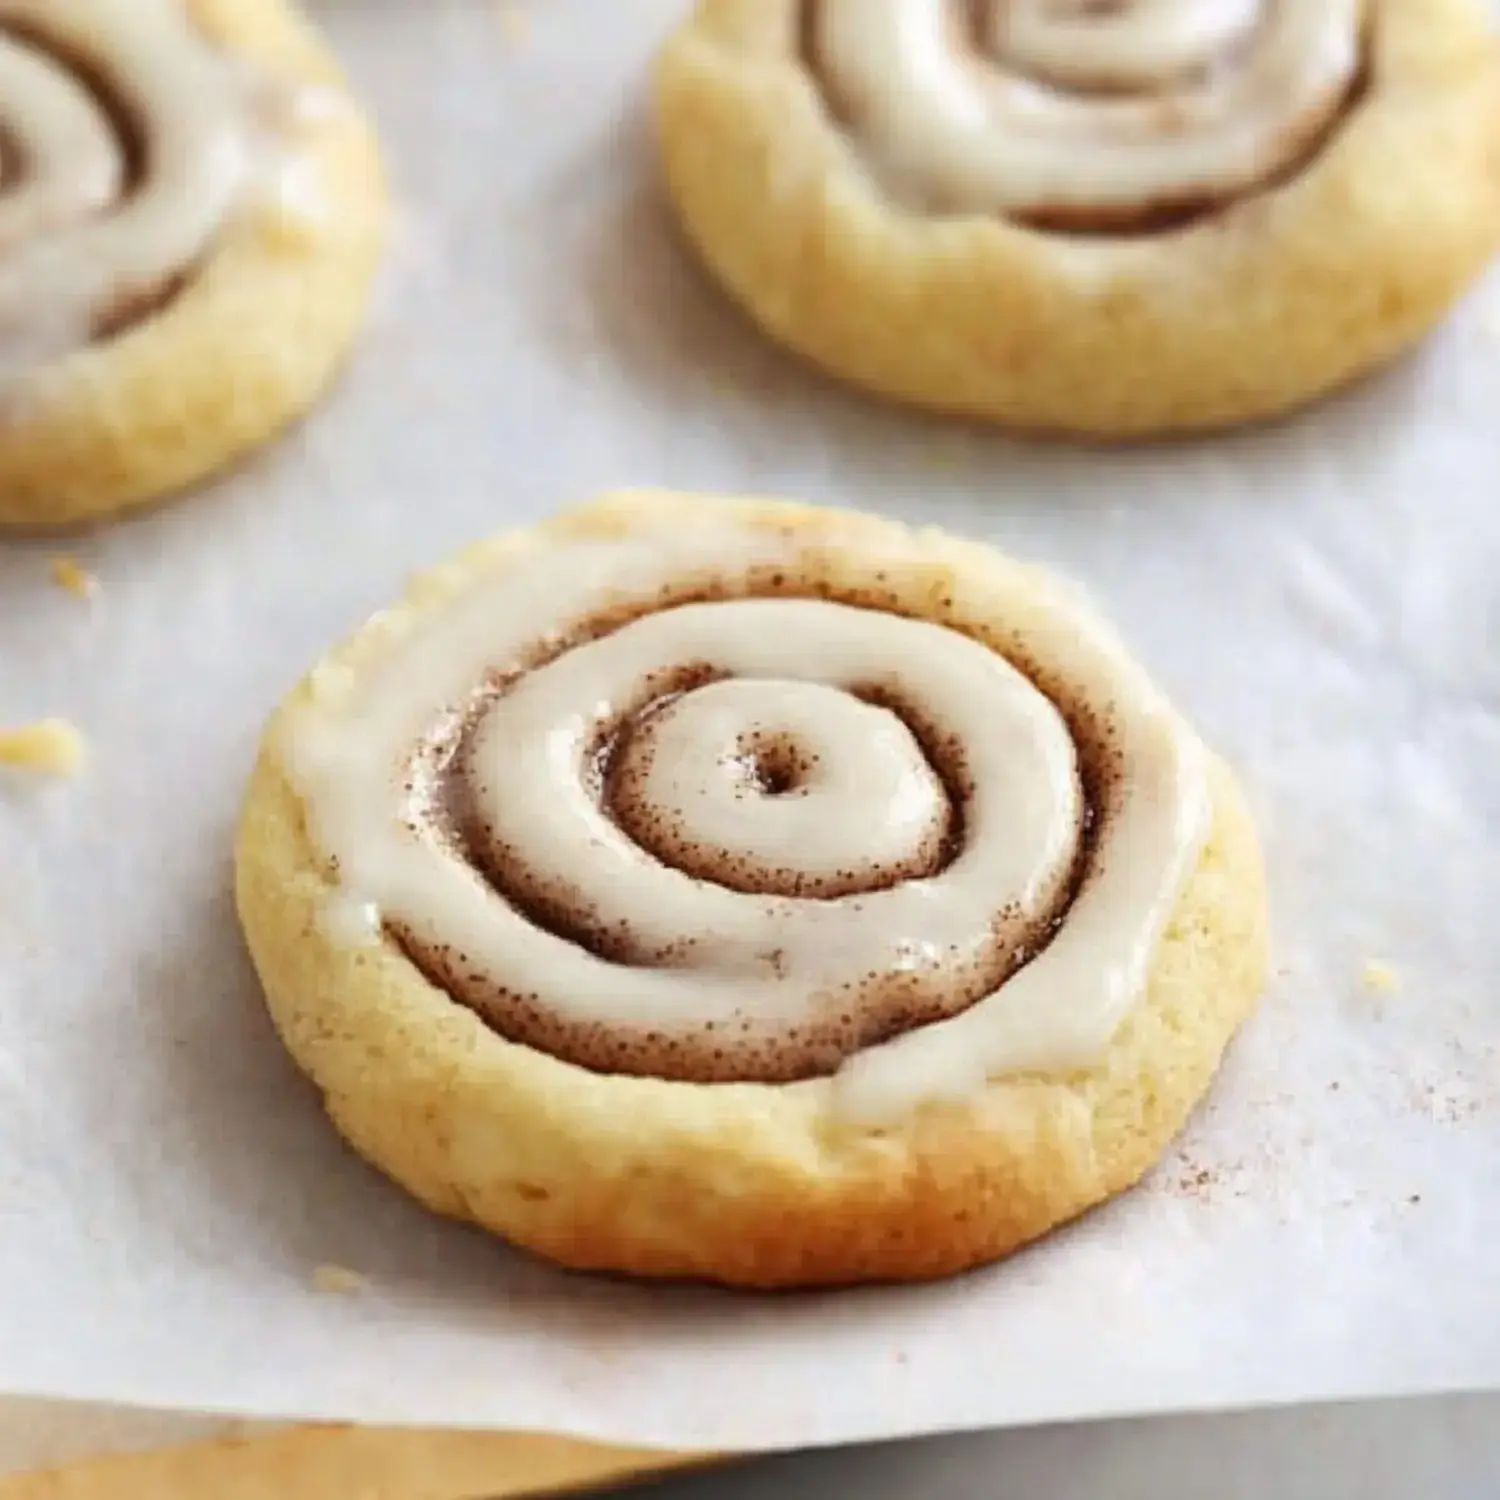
(693, 832)
(121, 149)
(769, 786)
(1082, 113)
(775, 833)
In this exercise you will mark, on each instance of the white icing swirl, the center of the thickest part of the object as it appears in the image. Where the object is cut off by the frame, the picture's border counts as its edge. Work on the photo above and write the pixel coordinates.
(756, 838)
(1081, 110)
(123, 148)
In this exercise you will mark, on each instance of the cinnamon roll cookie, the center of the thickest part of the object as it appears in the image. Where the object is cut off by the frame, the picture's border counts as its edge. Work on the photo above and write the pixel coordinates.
(740, 891)
(1114, 219)
(190, 213)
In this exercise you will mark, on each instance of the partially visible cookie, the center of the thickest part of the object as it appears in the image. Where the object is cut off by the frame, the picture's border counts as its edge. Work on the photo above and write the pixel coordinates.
(1112, 220)
(744, 891)
(187, 243)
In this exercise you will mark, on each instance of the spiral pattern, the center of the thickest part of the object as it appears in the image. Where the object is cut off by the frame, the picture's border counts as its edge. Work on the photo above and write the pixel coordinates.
(1086, 113)
(121, 150)
(681, 805)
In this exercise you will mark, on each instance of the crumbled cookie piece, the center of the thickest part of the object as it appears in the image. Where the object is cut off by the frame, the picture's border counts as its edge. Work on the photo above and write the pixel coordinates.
(338, 1281)
(52, 747)
(68, 574)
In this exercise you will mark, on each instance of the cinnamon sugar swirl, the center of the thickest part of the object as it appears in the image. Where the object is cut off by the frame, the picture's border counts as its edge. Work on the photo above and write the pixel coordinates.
(1111, 220)
(738, 890)
(189, 209)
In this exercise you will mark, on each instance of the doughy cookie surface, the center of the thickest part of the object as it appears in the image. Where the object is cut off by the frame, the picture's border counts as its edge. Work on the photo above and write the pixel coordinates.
(1132, 221)
(186, 247)
(737, 890)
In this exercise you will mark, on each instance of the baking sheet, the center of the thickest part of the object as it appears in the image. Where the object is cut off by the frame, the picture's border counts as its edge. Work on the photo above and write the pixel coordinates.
(1320, 595)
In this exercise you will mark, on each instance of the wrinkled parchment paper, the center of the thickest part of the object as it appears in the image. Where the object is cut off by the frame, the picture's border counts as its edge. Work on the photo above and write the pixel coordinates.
(1321, 596)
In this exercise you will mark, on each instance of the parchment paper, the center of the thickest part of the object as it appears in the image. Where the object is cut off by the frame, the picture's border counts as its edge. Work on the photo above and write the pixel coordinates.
(1320, 596)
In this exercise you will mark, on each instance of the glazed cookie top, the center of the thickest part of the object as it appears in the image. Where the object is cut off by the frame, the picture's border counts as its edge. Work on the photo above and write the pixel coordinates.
(129, 138)
(1084, 114)
(730, 795)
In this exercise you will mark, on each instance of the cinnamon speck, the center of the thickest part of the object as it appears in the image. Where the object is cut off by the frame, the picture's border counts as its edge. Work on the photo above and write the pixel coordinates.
(1192, 1180)
(1185, 1177)
(338, 1281)
(1380, 978)
(78, 581)
(50, 747)
(1196, 1181)
(1449, 1101)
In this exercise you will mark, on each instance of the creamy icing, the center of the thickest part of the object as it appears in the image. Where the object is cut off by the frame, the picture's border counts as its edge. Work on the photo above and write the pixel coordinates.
(1048, 106)
(751, 820)
(128, 141)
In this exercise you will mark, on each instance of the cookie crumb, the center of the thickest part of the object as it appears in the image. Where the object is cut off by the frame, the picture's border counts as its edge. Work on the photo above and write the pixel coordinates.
(515, 24)
(68, 574)
(52, 747)
(1380, 978)
(338, 1281)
